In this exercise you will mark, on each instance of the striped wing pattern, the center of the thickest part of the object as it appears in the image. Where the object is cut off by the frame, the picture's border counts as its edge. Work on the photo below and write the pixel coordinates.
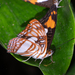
(31, 42)
(23, 47)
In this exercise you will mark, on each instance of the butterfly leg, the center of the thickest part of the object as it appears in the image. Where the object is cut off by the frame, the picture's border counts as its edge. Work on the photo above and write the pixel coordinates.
(40, 62)
(26, 59)
(52, 59)
(51, 62)
(58, 4)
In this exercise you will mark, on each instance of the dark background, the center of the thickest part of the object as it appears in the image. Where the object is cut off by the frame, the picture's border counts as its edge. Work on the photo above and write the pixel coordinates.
(10, 66)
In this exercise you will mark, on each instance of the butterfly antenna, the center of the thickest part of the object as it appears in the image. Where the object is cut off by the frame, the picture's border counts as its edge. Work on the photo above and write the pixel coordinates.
(65, 42)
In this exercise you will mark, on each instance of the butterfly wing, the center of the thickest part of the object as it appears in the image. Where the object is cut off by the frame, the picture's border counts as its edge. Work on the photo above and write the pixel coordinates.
(30, 42)
(49, 22)
(36, 31)
(44, 3)
(24, 47)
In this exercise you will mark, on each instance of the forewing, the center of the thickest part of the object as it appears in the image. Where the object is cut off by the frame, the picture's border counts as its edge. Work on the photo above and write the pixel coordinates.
(49, 22)
(35, 29)
(44, 3)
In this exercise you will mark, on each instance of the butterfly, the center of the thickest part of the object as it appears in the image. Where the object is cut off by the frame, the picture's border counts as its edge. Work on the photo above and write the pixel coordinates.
(31, 42)
(35, 40)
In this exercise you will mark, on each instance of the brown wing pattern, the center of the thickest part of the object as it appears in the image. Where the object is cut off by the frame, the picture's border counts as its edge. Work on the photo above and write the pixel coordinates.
(43, 3)
(49, 22)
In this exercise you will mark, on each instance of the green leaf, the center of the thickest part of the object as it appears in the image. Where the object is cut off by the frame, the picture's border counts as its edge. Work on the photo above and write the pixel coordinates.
(69, 1)
(14, 17)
